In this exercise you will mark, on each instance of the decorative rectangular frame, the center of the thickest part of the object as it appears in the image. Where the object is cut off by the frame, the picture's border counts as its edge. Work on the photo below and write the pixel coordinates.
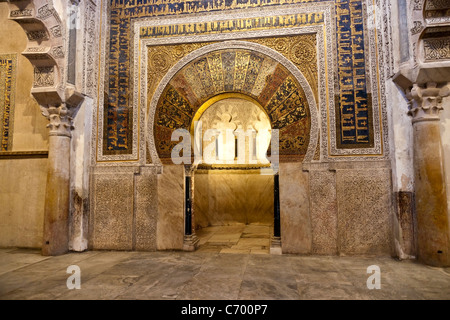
(329, 150)
(8, 81)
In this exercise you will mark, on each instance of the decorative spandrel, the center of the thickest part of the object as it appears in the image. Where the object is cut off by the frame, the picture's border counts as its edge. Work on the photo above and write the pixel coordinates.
(353, 108)
(278, 93)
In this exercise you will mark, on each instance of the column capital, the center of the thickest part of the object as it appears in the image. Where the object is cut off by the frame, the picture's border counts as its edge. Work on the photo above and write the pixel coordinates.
(425, 101)
(60, 118)
(188, 170)
(61, 113)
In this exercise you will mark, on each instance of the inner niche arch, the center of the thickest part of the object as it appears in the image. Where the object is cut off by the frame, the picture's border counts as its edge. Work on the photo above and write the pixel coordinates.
(241, 67)
(232, 128)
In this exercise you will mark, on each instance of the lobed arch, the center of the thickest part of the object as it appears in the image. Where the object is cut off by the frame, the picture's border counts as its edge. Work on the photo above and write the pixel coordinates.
(222, 96)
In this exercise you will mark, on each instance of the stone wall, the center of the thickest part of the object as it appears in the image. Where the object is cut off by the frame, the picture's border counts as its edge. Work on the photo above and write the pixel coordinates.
(227, 197)
(364, 211)
(22, 194)
(22, 174)
(323, 211)
(123, 208)
(351, 208)
(170, 204)
(326, 208)
(296, 235)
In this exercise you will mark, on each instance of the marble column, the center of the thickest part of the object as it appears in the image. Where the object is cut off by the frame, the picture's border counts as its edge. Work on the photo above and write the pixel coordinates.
(187, 206)
(191, 241)
(430, 190)
(56, 210)
(276, 207)
(275, 243)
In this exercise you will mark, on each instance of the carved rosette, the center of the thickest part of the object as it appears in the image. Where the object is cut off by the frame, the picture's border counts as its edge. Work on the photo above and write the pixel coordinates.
(60, 120)
(426, 101)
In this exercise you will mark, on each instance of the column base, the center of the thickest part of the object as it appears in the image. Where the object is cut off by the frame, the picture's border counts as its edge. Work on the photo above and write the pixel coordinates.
(275, 246)
(190, 242)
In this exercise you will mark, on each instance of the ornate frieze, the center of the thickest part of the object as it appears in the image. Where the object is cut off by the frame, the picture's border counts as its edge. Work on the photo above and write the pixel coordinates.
(36, 49)
(90, 69)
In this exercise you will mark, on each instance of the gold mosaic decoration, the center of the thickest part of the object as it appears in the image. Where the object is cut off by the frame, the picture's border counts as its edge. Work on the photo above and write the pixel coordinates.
(240, 71)
(300, 49)
(8, 63)
(354, 123)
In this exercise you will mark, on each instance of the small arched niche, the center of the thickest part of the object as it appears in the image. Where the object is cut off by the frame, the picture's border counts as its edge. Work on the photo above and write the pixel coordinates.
(232, 129)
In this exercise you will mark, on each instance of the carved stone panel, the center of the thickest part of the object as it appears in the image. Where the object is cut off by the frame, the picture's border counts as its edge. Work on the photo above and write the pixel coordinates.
(44, 12)
(364, 211)
(323, 211)
(56, 31)
(44, 77)
(57, 52)
(38, 35)
(170, 228)
(437, 49)
(111, 222)
(294, 205)
(417, 4)
(146, 209)
(418, 27)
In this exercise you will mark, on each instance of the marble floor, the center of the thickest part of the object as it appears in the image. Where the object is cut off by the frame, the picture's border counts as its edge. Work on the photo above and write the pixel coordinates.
(252, 238)
(25, 274)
